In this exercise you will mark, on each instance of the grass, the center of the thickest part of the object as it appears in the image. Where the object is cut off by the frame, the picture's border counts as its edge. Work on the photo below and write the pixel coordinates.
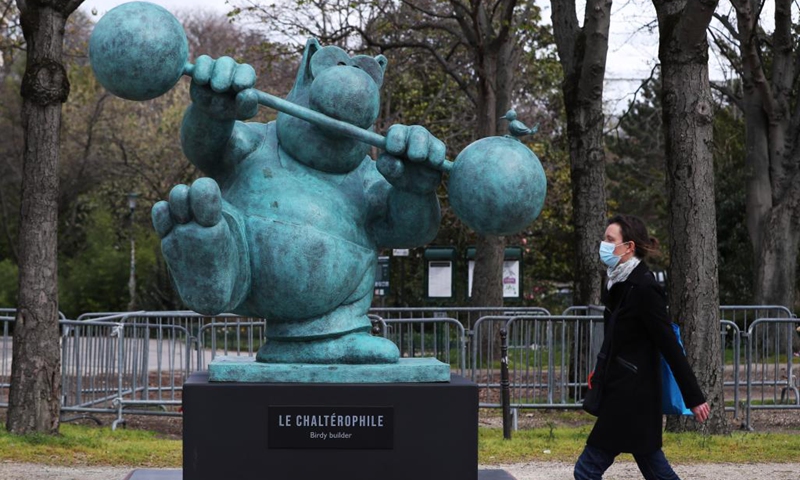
(772, 359)
(85, 445)
(566, 443)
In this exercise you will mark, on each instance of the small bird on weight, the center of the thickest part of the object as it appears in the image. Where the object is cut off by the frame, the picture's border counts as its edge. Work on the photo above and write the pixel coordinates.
(516, 128)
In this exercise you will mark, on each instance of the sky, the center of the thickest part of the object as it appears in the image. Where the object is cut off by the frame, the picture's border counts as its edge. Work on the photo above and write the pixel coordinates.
(632, 53)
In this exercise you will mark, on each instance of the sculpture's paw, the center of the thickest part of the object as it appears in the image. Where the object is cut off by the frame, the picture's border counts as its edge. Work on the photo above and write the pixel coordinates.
(413, 159)
(221, 87)
(353, 348)
(198, 245)
(199, 206)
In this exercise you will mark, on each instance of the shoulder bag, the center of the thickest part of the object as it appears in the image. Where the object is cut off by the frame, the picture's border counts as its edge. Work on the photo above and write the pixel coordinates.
(671, 398)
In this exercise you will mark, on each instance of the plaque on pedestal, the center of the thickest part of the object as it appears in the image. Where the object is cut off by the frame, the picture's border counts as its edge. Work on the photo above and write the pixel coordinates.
(397, 431)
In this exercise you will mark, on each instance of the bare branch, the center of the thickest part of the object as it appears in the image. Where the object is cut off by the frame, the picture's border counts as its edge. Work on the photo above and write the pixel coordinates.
(596, 26)
(722, 37)
(462, 84)
(93, 120)
(782, 65)
(725, 21)
(458, 5)
(497, 4)
(726, 50)
(464, 18)
(752, 66)
(6, 9)
(427, 12)
(632, 103)
(506, 21)
(431, 26)
(729, 94)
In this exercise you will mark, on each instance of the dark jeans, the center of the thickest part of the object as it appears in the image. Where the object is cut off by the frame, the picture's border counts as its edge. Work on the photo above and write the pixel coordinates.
(593, 463)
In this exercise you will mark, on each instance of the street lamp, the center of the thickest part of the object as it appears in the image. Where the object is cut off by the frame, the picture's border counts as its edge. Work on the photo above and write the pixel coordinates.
(132, 196)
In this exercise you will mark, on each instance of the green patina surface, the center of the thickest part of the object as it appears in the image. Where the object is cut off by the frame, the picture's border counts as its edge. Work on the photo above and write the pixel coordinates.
(289, 219)
(407, 370)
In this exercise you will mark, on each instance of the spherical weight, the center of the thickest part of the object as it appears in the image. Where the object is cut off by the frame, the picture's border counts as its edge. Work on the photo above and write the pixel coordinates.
(497, 186)
(138, 51)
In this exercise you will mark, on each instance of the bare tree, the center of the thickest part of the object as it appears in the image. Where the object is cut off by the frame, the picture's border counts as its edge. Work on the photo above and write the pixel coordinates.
(768, 66)
(582, 52)
(34, 398)
(687, 122)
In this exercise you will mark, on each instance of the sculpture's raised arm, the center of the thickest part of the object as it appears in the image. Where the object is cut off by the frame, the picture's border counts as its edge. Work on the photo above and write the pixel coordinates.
(211, 137)
(407, 212)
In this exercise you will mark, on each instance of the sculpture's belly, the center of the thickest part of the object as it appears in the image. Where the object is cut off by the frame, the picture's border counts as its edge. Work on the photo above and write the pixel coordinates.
(299, 271)
(309, 247)
(329, 204)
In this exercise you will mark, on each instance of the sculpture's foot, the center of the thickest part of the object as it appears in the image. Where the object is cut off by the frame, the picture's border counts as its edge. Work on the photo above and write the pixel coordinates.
(353, 348)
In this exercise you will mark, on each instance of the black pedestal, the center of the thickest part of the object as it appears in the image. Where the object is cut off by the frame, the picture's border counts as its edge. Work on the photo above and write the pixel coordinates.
(241, 431)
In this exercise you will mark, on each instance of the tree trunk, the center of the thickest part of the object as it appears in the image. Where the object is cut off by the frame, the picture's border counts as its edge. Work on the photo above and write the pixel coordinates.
(487, 286)
(772, 193)
(688, 129)
(34, 397)
(487, 281)
(584, 128)
(582, 53)
(776, 268)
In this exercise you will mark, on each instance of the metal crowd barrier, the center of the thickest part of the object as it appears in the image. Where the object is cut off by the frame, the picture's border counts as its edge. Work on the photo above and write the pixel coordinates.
(466, 316)
(442, 338)
(736, 321)
(744, 315)
(90, 366)
(770, 366)
(564, 361)
(5, 358)
(549, 359)
(485, 352)
(731, 369)
(158, 351)
(136, 362)
(11, 312)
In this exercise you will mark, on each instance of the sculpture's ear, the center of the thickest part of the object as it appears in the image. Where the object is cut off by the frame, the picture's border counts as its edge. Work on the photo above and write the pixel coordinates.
(382, 61)
(304, 72)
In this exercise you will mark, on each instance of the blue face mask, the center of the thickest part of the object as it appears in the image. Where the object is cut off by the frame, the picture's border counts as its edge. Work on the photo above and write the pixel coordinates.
(607, 254)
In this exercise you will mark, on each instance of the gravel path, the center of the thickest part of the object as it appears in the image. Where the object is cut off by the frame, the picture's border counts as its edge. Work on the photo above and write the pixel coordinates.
(522, 471)
(628, 471)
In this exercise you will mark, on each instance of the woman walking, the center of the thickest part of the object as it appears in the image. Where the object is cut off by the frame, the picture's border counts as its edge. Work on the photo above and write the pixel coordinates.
(630, 418)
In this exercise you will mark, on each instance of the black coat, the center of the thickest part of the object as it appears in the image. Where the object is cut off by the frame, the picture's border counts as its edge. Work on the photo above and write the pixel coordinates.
(630, 418)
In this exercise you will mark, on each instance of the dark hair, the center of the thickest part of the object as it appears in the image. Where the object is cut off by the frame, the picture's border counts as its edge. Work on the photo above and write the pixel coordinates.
(634, 230)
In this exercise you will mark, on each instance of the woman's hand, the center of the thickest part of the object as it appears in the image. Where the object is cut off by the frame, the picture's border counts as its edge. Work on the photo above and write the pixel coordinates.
(701, 412)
